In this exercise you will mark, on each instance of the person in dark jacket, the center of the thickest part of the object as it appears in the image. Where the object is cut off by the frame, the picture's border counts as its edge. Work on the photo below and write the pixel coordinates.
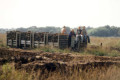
(71, 39)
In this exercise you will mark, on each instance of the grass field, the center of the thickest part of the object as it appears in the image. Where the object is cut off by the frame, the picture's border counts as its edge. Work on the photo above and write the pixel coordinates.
(2, 40)
(8, 72)
(110, 47)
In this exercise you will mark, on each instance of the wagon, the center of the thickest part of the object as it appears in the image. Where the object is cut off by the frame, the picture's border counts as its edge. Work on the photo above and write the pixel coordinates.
(29, 40)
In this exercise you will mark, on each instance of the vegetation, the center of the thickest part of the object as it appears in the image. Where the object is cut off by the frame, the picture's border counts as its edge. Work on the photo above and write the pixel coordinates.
(110, 47)
(2, 40)
(103, 31)
(8, 72)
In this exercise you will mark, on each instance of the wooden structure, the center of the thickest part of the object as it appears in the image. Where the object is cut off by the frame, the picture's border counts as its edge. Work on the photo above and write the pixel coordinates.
(38, 40)
(13, 39)
(28, 40)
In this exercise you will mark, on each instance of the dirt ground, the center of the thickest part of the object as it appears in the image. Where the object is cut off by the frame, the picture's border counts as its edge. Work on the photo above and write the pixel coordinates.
(28, 60)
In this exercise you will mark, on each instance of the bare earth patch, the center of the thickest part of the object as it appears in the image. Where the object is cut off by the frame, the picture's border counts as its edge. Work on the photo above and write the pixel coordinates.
(53, 61)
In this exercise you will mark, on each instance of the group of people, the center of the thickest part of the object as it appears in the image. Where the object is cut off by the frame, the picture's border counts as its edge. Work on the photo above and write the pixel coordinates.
(79, 36)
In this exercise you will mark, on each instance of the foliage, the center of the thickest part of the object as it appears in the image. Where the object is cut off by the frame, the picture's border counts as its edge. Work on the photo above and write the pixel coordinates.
(104, 31)
(8, 72)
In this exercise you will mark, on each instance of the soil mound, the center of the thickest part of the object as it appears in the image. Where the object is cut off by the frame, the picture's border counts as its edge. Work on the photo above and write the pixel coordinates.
(29, 60)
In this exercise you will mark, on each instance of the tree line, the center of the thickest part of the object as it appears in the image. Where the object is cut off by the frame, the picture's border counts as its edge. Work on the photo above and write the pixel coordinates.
(103, 31)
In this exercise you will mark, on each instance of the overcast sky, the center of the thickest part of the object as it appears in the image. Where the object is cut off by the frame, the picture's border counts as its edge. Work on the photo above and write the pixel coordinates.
(73, 13)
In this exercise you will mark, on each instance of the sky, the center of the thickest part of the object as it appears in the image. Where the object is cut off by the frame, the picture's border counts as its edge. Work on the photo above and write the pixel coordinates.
(72, 13)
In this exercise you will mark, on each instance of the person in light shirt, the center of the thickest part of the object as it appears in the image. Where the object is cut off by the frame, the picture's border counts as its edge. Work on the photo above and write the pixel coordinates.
(63, 31)
(85, 36)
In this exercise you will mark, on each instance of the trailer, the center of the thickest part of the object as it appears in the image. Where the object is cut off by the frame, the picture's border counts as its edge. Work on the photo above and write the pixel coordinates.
(29, 40)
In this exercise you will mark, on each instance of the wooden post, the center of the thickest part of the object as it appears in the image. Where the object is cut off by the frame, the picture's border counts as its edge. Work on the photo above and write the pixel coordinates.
(53, 40)
(101, 44)
(25, 44)
(33, 43)
(58, 41)
(20, 40)
(45, 39)
(16, 39)
(30, 39)
(12, 42)
(38, 44)
(7, 38)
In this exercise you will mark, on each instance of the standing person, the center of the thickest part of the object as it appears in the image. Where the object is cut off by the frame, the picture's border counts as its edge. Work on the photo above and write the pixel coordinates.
(85, 36)
(71, 40)
(63, 31)
(79, 38)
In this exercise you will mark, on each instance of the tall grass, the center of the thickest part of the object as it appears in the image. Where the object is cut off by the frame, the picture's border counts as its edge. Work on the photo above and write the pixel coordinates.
(2, 40)
(8, 72)
(94, 48)
(108, 43)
